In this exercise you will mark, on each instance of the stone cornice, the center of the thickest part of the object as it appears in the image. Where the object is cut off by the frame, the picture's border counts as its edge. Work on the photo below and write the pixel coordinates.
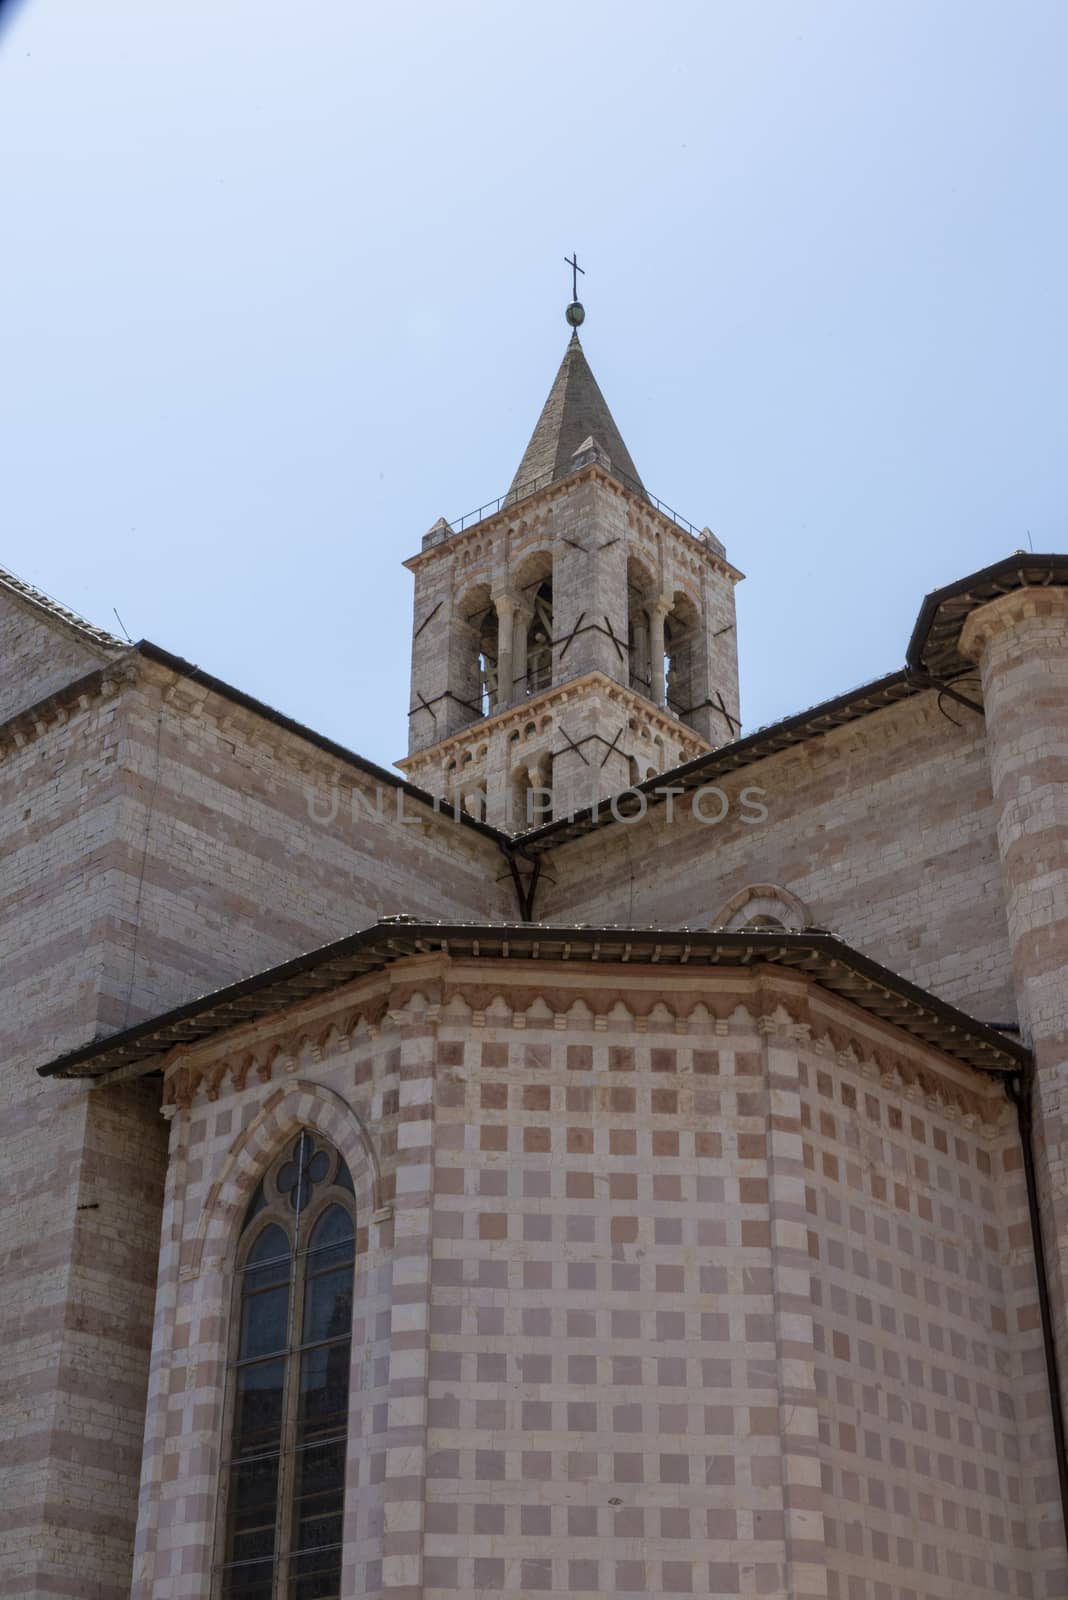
(67, 702)
(670, 960)
(779, 1007)
(935, 646)
(512, 516)
(549, 700)
(1009, 611)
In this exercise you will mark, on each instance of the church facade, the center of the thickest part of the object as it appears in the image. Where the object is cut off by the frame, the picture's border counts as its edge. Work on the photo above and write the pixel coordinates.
(623, 1156)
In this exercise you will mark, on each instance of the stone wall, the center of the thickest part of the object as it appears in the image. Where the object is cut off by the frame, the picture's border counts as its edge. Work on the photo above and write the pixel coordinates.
(689, 1287)
(586, 740)
(80, 1192)
(157, 842)
(1021, 644)
(218, 1153)
(824, 1253)
(38, 655)
(936, 1444)
(262, 846)
(160, 841)
(885, 829)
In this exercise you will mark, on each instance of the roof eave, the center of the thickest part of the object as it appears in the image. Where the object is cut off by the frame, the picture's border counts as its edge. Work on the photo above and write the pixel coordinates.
(1021, 570)
(832, 963)
(88, 633)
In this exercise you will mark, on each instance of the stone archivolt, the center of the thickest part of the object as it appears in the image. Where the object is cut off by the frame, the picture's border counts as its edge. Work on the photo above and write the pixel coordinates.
(763, 900)
(282, 1113)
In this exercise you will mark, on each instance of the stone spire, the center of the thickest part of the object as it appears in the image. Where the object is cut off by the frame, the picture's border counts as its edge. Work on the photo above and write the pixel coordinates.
(575, 411)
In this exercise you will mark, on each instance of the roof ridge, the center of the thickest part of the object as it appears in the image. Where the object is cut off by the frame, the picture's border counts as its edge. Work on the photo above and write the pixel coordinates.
(55, 608)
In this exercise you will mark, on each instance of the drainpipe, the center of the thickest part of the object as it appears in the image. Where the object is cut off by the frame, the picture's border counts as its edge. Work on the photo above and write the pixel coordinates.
(1020, 1088)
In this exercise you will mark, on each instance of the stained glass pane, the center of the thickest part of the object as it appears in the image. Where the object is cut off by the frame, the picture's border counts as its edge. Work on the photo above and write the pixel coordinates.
(290, 1178)
(254, 1582)
(306, 1167)
(268, 1260)
(316, 1576)
(252, 1508)
(343, 1177)
(335, 1255)
(264, 1322)
(324, 1391)
(318, 1496)
(328, 1305)
(333, 1227)
(258, 1407)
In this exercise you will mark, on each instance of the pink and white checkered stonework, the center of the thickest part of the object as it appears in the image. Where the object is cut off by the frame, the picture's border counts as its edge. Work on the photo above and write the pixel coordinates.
(703, 1096)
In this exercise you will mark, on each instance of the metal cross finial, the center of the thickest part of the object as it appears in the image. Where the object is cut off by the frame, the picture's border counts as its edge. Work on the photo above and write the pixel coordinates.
(575, 313)
(572, 262)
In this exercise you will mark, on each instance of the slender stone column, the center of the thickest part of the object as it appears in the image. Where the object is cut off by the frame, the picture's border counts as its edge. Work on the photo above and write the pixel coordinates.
(506, 629)
(640, 673)
(1021, 644)
(506, 609)
(657, 615)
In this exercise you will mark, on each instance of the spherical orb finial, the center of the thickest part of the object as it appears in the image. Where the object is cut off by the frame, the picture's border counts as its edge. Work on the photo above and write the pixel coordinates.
(575, 314)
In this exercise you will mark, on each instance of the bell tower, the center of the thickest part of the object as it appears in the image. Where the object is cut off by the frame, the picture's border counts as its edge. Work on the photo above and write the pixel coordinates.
(575, 636)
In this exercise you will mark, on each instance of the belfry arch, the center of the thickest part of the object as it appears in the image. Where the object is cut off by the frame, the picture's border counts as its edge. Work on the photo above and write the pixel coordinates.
(473, 656)
(683, 641)
(581, 598)
(641, 594)
(532, 661)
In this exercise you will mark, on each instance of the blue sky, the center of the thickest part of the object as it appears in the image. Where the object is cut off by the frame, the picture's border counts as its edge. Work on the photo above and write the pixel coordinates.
(284, 284)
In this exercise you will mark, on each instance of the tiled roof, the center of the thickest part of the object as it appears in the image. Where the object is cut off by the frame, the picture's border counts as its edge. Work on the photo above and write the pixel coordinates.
(575, 411)
(59, 613)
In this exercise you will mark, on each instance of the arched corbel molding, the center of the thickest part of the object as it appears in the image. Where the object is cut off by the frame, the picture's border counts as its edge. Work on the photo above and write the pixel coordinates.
(763, 904)
(535, 559)
(292, 1106)
(680, 583)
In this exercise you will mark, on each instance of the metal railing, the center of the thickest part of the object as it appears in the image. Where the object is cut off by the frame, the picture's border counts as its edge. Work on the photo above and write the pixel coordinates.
(491, 507)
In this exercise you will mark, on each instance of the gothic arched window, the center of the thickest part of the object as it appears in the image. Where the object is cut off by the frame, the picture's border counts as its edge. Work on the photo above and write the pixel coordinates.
(284, 1473)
